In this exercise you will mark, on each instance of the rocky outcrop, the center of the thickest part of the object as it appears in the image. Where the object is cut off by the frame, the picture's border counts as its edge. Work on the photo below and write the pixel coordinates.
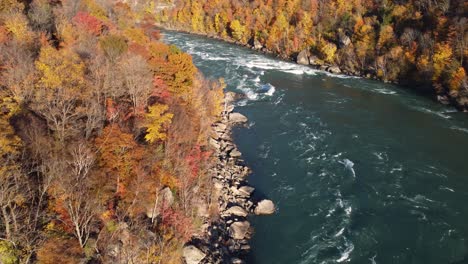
(239, 230)
(334, 70)
(257, 45)
(193, 255)
(226, 240)
(237, 118)
(344, 40)
(303, 58)
(315, 61)
(265, 207)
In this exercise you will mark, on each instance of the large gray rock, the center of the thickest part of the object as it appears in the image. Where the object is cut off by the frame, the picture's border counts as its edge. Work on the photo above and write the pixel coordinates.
(235, 153)
(214, 143)
(166, 196)
(303, 57)
(220, 127)
(193, 255)
(334, 69)
(236, 210)
(246, 190)
(237, 118)
(238, 230)
(230, 97)
(314, 60)
(237, 261)
(265, 207)
(323, 67)
(344, 40)
(257, 45)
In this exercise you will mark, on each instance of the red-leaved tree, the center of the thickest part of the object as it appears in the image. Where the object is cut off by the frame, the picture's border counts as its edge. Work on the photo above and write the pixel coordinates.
(88, 23)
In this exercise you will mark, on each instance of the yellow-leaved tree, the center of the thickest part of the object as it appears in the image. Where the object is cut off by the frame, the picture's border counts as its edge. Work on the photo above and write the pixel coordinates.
(157, 119)
(61, 90)
(60, 69)
(238, 30)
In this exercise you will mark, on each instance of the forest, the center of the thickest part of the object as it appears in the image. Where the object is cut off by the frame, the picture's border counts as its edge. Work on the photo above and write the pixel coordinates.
(422, 44)
(103, 140)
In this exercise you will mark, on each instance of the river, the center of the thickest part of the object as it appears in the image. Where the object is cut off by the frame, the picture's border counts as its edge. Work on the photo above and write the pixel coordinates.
(361, 171)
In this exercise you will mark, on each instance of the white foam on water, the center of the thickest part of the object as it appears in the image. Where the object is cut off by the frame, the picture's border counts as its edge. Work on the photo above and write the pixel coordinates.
(348, 210)
(271, 91)
(346, 253)
(257, 79)
(263, 63)
(429, 111)
(349, 165)
(446, 188)
(340, 232)
(396, 169)
(242, 102)
(459, 129)
(385, 91)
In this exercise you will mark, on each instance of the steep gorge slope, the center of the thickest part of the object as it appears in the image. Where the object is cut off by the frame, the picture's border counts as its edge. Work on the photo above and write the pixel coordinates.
(103, 136)
(421, 44)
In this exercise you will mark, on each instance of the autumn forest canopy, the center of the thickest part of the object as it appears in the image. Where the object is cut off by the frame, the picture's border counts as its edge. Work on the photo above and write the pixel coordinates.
(104, 128)
(103, 135)
(422, 43)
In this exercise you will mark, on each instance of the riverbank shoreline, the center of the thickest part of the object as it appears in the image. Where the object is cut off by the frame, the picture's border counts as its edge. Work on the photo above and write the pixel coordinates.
(460, 103)
(226, 239)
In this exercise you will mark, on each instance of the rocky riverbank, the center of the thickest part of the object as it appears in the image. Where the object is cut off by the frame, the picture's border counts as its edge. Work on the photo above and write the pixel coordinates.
(226, 239)
(458, 99)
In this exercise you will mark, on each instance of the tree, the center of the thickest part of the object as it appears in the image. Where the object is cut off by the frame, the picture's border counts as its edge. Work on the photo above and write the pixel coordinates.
(156, 120)
(40, 15)
(88, 23)
(113, 46)
(137, 80)
(237, 29)
(441, 58)
(60, 90)
(17, 24)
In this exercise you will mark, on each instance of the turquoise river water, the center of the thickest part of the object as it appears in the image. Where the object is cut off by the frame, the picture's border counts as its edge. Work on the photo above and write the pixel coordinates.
(361, 171)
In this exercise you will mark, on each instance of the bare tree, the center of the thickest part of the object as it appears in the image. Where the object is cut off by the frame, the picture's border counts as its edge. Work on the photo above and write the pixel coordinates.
(138, 80)
(19, 72)
(73, 188)
(61, 109)
(41, 16)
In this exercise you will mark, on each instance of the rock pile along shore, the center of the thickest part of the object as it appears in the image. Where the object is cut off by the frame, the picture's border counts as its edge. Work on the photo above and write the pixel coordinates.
(226, 240)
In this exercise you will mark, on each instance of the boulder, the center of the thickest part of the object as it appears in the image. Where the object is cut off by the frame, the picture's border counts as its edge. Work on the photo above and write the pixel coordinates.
(323, 67)
(229, 108)
(235, 153)
(314, 60)
(230, 97)
(237, 261)
(214, 143)
(257, 45)
(237, 118)
(220, 127)
(193, 255)
(237, 211)
(239, 230)
(246, 190)
(344, 40)
(265, 207)
(334, 69)
(166, 196)
(303, 58)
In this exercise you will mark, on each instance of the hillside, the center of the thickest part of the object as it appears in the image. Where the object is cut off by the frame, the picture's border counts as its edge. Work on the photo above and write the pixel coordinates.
(420, 44)
(103, 140)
